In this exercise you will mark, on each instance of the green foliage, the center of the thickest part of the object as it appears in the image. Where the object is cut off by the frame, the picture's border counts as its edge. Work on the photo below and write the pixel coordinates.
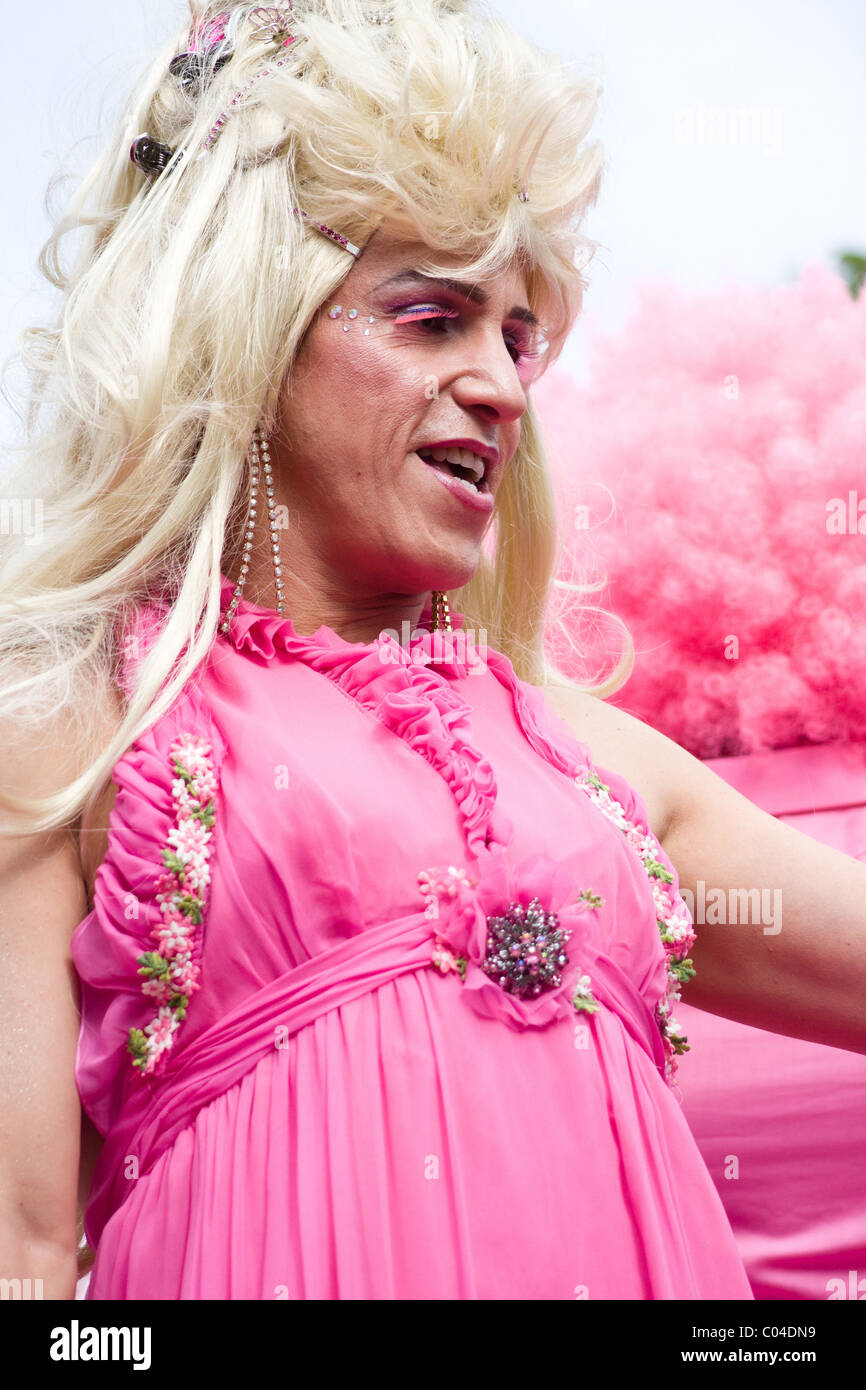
(852, 265)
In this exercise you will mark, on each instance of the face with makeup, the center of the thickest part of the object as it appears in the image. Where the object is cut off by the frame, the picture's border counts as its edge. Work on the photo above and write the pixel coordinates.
(396, 362)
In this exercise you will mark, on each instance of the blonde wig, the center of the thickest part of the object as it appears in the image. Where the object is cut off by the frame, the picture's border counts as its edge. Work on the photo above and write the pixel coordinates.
(190, 295)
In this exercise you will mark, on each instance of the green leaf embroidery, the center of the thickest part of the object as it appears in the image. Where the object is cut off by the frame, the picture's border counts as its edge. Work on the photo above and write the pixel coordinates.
(588, 1006)
(154, 966)
(657, 870)
(683, 970)
(594, 899)
(137, 1046)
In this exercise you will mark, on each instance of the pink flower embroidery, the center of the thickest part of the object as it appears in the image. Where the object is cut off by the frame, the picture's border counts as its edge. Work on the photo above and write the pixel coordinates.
(171, 972)
(444, 959)
(435, 884)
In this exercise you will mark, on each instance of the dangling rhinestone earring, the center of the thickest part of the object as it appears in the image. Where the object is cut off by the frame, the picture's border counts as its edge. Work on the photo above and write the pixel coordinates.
(259, 443)
(441, 610)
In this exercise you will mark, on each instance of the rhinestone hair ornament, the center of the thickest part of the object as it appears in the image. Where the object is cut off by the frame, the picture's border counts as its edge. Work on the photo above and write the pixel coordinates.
(211, 45)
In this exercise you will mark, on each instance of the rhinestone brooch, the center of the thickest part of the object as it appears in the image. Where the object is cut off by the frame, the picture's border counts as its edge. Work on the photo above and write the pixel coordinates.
(526, 949)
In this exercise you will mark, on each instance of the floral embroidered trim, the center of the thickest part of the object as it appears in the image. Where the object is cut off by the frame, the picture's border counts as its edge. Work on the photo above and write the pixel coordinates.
(583, 996)
(675, 924)
(171, 972)
(437, 883)
(434, 884)
(444, 959)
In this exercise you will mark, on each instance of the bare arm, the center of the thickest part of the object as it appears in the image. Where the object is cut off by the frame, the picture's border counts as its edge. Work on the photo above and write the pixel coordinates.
(42, 898)
(797, 964)
(794, 961)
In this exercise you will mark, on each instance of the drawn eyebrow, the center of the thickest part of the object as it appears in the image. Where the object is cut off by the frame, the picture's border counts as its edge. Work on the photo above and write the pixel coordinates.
(472, 292)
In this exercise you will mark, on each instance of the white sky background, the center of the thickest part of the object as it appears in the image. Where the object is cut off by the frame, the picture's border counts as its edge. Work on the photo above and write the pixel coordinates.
(752, 201)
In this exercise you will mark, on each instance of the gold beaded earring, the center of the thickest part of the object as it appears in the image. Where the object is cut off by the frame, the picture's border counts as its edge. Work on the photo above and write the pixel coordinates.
(441, 610)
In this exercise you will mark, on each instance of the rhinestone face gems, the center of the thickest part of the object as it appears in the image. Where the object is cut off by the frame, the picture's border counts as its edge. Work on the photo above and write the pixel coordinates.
(364, 321)
(526, 949)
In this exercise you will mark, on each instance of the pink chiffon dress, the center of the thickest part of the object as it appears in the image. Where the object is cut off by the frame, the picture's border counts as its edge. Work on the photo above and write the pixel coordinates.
(377, 993)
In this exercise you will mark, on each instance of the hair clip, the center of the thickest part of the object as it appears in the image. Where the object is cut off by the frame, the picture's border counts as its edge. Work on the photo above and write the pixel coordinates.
(150, 156)
(193, 70)
(330, 233)
(196, 66)
(272, 22)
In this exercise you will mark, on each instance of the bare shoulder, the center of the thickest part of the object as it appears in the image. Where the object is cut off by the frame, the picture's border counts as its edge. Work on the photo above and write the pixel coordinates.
(39, 759)
(92, 826)
(656, 767)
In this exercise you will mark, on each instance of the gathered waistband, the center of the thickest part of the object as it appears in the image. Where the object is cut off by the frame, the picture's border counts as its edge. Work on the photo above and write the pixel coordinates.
(165, 1103)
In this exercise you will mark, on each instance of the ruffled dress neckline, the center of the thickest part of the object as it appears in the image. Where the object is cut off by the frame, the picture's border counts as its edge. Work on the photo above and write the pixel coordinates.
(262, 632)
(411, 689)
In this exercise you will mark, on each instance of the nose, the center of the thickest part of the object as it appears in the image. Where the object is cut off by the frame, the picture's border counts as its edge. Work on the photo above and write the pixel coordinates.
(489, 382)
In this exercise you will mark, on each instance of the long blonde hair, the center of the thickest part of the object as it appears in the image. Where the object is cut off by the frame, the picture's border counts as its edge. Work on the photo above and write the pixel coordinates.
(190, 296)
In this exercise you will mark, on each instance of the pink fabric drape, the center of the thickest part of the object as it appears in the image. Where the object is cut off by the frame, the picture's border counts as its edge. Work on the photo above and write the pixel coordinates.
(156, 1114)
(781, 1122)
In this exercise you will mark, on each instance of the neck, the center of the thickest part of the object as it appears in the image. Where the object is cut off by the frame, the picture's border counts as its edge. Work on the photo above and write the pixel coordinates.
(355, 616)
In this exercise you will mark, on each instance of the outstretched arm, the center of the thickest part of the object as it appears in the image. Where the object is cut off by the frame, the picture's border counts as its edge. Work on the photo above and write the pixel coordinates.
(794, 961)
(797, 964)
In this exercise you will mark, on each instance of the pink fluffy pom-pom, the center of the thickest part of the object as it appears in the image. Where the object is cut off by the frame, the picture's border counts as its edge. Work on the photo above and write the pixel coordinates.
(711, 468)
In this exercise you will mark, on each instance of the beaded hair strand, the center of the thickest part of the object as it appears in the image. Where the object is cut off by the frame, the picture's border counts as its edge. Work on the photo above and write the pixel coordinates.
(210, 47)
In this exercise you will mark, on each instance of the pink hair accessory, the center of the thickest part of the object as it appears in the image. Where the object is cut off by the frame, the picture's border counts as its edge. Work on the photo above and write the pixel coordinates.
(268, 22)
(206, 34)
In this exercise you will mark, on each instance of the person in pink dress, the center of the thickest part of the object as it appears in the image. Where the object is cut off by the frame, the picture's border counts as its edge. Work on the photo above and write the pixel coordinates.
(378, 976)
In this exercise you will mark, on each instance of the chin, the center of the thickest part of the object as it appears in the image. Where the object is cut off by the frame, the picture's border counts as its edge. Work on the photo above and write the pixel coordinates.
(454, 575)
(447, 568)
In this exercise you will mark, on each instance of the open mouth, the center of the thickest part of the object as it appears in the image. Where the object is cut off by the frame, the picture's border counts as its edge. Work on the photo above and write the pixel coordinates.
(462, 464)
